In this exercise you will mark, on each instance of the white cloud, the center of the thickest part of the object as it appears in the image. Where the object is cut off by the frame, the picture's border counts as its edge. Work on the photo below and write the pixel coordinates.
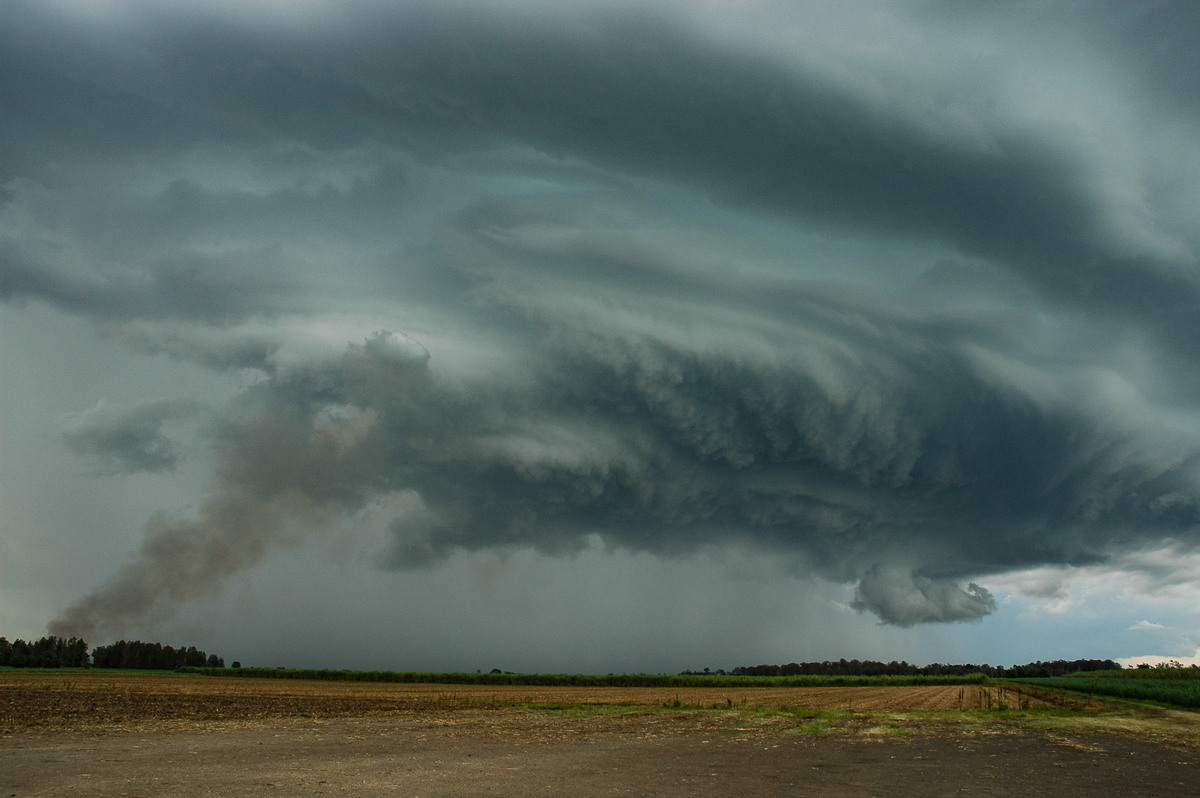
(1156, 659)
(1146, 625)
(1159, 576)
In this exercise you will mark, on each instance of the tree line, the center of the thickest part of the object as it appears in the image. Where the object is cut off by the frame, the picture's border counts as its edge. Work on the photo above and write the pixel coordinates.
(136, 655)
(48, 652)
(59, 652)
(854, 667)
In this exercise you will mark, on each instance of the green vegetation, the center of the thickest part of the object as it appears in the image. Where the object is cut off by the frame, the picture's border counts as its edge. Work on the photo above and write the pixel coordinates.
(48, 652)
(587, 680)
(136, 655)
(854, 667)
(60, 652)
(1170, 672)
(1172, 686)
(798, 720)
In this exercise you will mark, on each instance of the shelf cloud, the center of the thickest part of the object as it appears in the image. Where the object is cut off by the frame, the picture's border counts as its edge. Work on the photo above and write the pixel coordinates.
(905, 312)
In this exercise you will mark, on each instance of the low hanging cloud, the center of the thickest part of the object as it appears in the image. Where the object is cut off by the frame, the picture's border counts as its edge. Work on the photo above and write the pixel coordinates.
(899, 596)
(655, 449)
(673, 277)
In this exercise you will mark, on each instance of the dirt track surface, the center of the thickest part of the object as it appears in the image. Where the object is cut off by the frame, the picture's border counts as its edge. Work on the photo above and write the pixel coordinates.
(588, 757)
(439, 742)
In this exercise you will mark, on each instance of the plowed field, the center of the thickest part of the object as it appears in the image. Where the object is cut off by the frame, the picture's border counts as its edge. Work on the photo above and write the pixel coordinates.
(37, 699)
(107, 734)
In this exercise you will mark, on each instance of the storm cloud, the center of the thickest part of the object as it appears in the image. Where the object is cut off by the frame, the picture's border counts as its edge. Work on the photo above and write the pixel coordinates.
(132, 440)
(905, 299)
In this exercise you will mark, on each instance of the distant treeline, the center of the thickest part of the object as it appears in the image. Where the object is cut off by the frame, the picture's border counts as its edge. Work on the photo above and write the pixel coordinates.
(856, 667)
(49, 652)
(136, 655)
(586, 680)
(60, 652)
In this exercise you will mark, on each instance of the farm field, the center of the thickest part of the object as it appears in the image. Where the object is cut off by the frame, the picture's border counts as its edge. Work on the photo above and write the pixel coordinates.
(167, 734)
(1178, 687)
(52, 699)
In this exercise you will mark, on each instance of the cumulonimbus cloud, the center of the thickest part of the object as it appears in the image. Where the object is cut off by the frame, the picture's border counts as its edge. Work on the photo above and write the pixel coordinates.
(891, 484)
(890, 314)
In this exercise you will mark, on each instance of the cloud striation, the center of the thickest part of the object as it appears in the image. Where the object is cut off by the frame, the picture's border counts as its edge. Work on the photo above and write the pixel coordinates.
(670, 277)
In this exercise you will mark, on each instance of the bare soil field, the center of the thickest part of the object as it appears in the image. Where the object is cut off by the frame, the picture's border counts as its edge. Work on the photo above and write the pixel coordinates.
(164, 735)
(50, 699)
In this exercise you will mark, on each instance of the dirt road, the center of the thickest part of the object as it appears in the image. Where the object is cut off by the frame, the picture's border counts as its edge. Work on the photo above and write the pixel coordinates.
(666, 754)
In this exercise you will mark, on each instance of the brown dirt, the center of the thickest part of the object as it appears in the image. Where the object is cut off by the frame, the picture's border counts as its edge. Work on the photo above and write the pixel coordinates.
(133, 735)
(49, 699)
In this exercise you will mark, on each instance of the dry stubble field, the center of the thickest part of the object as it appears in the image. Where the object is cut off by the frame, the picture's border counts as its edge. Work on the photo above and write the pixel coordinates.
(51, 699)
(163, 734)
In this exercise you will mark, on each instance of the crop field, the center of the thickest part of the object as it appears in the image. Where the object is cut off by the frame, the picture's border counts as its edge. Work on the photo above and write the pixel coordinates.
(96, 697)
(1178, 687)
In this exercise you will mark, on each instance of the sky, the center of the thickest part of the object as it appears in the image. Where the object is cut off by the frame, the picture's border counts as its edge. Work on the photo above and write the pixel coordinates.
(602, 336)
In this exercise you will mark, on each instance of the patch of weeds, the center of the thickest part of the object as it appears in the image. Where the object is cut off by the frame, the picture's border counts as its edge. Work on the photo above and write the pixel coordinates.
(813, 725)
(1164, 726)
(587, 710)
(894, 726)
(1005, 714)
(791, 720)
(885, 724)
(1060, 719)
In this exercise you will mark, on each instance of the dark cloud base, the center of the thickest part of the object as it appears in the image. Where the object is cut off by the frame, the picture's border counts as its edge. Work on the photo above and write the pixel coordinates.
(632, 268)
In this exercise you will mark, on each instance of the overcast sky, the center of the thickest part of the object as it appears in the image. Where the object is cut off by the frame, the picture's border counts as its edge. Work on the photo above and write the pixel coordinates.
(591, 336)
